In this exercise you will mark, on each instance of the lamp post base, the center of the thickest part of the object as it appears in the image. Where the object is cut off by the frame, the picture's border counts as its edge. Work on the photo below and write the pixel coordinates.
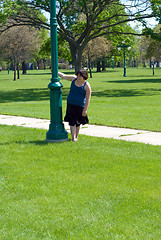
(56, 133)
(54, 141)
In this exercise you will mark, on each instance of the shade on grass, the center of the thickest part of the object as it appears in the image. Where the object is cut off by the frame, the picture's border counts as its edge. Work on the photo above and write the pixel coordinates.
(94, 189)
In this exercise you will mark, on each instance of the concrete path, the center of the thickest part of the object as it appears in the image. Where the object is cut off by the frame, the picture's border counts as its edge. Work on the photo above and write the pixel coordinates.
(126, 134)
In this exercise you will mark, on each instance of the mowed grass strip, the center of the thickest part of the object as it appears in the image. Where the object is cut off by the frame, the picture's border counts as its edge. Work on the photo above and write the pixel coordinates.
(94, 189)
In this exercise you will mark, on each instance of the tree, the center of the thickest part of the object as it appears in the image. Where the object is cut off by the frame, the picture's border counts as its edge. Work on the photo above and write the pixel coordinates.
(17, 45)
(39, 54)
(100, 17)
(63, 49)
(95, 50)
(154, 46)
(149, 48)
(142, 45)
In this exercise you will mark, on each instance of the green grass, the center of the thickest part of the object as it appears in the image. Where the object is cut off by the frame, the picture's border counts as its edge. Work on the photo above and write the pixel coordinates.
(94, 189)
(132, 101)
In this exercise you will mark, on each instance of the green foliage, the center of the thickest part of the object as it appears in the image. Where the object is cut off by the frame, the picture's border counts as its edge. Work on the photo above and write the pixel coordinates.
(21, 12)
(152, 33)
(117, 40)
(156, 7)
(43, 3)
(63, 49)
(11, 8)
(78, 27)
(154, 43)
(45, 49)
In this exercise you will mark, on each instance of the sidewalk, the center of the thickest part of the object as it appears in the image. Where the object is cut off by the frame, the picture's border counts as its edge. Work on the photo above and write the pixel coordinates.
(126, 134)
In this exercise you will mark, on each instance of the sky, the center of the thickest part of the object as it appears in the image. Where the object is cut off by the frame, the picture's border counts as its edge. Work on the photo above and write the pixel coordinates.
(143, 4)
(134, 24)
(151, 23)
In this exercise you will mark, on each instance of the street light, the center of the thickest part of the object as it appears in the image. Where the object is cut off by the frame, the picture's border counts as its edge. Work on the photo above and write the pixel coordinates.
(113, 62)
(8, 68)
(124, 46)
(56, 130)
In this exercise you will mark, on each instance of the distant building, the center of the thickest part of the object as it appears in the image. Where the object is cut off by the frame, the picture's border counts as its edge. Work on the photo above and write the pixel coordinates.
(29, 66)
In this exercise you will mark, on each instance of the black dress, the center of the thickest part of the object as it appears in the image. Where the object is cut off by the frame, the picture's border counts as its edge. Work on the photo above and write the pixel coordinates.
(74, 115)
(75, 104)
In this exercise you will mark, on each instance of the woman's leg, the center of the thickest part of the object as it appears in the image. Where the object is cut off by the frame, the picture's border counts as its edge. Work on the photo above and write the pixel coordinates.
(73, 132)
(77, 131)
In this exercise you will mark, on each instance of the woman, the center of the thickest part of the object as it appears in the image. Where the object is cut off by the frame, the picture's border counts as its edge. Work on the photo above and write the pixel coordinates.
(77, 101)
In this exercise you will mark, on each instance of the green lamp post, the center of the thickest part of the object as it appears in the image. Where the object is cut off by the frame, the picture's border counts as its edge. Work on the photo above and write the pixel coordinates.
(56, 130)
(124, 46)
(113, 62)
(8, 69)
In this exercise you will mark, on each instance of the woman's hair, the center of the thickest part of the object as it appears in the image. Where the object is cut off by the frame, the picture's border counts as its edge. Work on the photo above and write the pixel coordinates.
(83, 73)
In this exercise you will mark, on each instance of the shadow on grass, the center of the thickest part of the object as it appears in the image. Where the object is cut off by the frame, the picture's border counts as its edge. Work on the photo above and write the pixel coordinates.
(45, 143)
(43, 94)
(106, 71)
(137, 81)
(126, 93)
(37, 142)
(38, 73)
(25, 95)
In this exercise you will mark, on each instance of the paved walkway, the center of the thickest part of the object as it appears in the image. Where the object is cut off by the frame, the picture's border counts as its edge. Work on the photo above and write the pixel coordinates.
(126, 134)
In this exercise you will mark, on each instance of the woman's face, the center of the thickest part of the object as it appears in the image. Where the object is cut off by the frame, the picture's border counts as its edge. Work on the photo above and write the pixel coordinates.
(80, 77)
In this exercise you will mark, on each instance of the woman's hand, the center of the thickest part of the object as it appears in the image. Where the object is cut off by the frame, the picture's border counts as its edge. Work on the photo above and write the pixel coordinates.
(84, 113)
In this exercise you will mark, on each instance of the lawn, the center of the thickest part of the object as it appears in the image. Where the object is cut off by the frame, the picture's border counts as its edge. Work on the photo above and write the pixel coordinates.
(131, 102)
(94, 189)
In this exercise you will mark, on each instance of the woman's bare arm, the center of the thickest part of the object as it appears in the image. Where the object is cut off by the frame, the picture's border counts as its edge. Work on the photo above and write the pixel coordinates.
(67, 77)
(88, 97)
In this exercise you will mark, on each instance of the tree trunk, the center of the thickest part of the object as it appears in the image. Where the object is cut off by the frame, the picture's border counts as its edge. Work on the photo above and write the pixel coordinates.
(44, 62)
(23, 67)
(144, 65)
(14, 67)
(135, 65)
(89, 66)
(76, 56)
(103, 64)
(99, 65)
(18, 72)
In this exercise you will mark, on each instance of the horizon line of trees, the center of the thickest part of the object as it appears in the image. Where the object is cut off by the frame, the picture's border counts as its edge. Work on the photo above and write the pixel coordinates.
(87, 31)
(80, 22)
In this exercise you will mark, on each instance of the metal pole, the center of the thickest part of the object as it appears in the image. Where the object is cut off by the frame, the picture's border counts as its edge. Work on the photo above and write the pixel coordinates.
(8, 69)
(56, 128)
(124, 61)
(119, 48)
(113, 62)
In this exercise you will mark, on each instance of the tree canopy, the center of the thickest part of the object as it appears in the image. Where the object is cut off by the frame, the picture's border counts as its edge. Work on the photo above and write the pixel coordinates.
(18, 44)
(80, 21)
